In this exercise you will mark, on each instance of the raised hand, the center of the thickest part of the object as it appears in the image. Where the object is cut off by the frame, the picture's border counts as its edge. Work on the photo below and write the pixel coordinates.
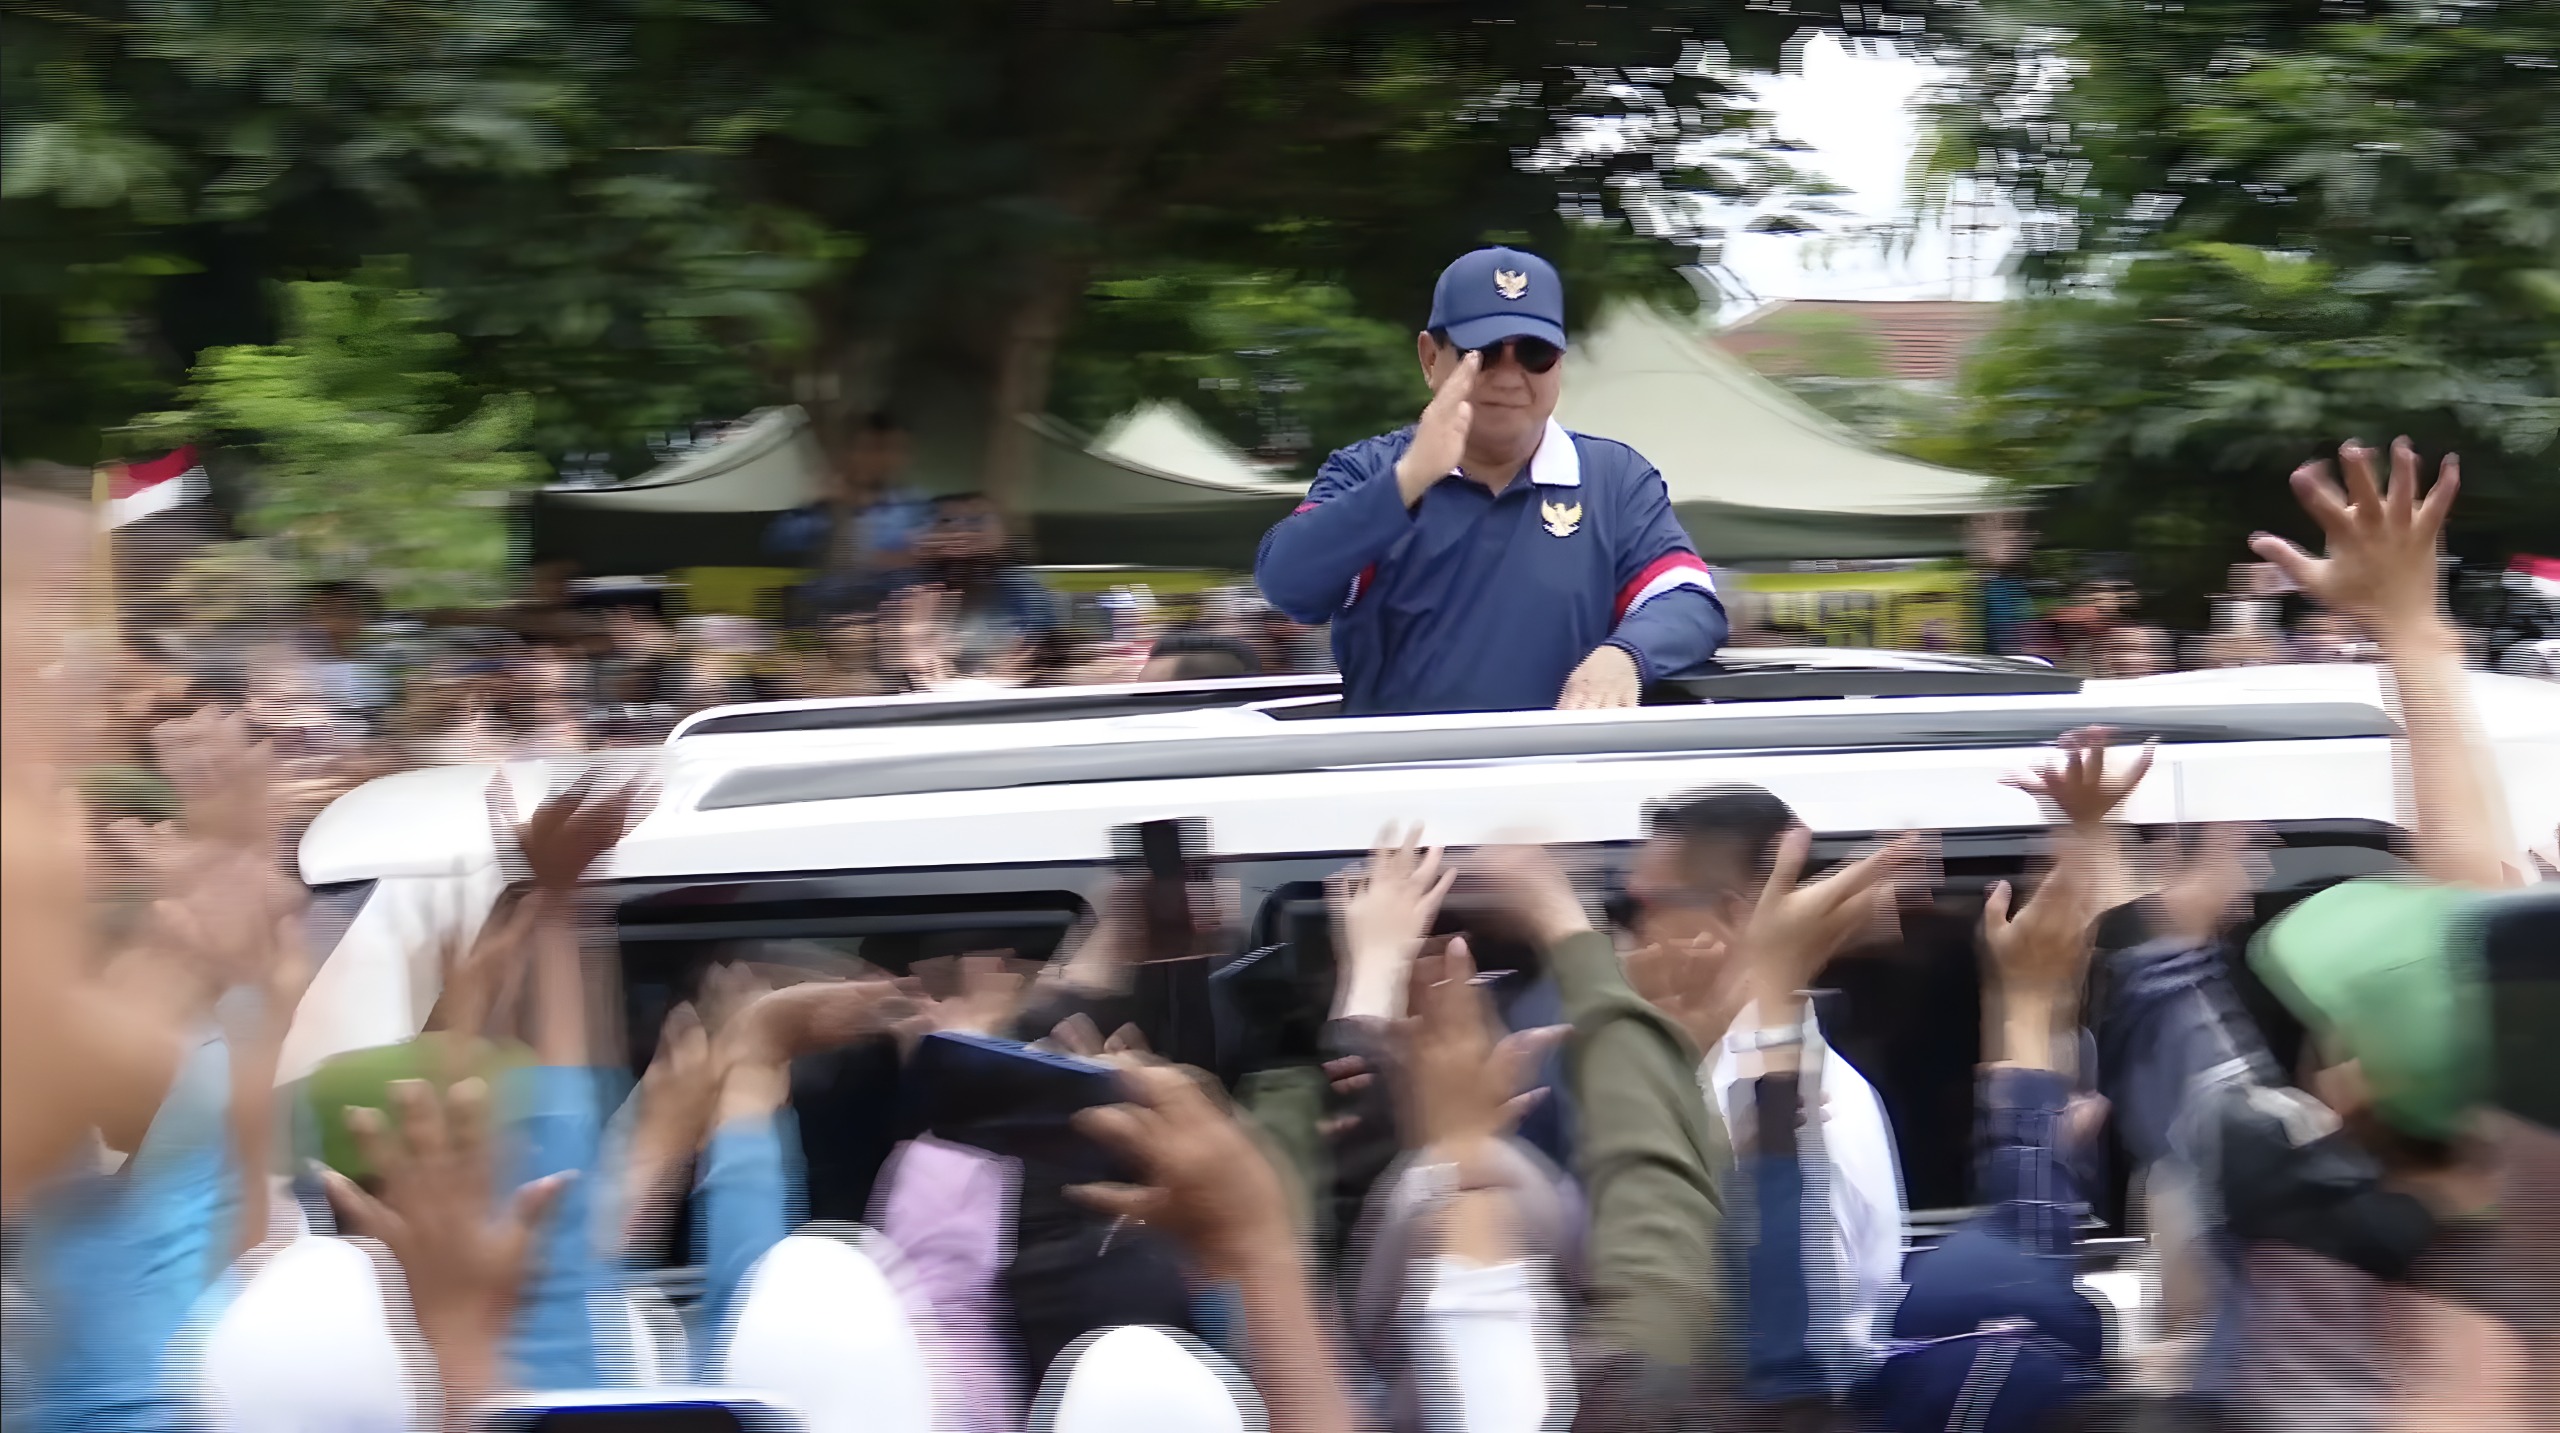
(2080, 786)
(678, 1096)
(2204, 893)
(989, 994)
(219, 906)
(1386, 909)
(482, 980)
(1795, 929)
(680, 1086)
(762, 1031)
(775, 1027)
(1206, 1182)
(2037, 960)
(2045, 947)
(227, 780)
(1533, 891)
(464, 1254)
(1440, 439)
(1463, 1084)
(2383, 541)
(1696, 980)
(570, 832)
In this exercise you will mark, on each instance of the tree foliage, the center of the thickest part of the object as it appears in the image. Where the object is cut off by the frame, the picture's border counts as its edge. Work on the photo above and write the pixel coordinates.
(2254, 228)
(641, 212)
(369, 467)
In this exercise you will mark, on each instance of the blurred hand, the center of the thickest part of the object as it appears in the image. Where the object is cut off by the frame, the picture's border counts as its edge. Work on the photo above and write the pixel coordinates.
(482, 980)
(1464, 1084)
(680, 1087)
(988, 997)
(1605, 680)
(228, 782)
(1386, 909)
(1533, 890)
(1794, 930)
(464, 1256)
(917, 635)
(224, 913)
(2382, 540)
(2045, 949)
(1696, 981)
(1207, 1182)
(2205, 893)
(1440, 439)
(771, 1028)
(570, 832)
(2080, 786)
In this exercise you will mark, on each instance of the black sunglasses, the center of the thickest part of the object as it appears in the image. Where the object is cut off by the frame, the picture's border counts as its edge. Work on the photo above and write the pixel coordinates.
(1535, 355)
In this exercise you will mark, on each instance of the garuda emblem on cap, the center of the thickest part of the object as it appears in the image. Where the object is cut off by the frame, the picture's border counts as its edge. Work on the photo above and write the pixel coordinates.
(1561, 521)
(1510, 283)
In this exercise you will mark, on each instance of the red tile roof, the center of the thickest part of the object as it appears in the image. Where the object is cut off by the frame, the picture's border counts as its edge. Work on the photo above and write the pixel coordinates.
(1918, 339)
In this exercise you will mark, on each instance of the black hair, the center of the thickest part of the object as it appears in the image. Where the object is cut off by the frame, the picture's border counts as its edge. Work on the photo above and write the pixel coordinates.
(881, 422)
(1439, 337)
(1730, 833)
(945, 502)
(1198, 657)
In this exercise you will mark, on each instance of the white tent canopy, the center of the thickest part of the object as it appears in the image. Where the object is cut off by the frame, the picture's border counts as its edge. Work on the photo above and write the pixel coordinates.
(769, 463)
(1170, 439)
(1754, 472)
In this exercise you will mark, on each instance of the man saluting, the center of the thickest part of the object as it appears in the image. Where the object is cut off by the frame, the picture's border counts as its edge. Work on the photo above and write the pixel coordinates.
(1485, 559)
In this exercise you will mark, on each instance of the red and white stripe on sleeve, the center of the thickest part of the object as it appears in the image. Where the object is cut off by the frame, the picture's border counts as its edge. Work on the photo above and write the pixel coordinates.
(1671, 570)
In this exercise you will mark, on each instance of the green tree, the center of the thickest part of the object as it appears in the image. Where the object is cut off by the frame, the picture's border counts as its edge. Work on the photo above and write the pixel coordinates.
(632, 206)
(368, 466)
(2254, 228)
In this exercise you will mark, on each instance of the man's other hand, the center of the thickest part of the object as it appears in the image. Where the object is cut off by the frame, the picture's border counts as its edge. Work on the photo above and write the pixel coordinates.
(1606, 679)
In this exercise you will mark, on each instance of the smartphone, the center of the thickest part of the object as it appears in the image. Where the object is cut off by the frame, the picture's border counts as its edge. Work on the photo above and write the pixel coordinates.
(1009, 1099)
(657, 1410)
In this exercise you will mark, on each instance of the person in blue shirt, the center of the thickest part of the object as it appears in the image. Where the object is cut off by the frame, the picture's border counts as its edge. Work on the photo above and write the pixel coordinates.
(1485, 559)
(862, 533)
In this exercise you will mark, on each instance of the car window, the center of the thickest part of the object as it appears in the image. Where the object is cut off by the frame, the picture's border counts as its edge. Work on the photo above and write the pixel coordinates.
(1904, 1011)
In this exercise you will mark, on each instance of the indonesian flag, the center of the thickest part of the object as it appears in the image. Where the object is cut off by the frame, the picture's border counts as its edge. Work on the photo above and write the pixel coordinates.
(139, 490)
(2542, 572)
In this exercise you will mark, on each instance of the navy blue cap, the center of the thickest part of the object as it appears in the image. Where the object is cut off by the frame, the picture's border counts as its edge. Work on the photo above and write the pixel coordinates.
(1494, 294)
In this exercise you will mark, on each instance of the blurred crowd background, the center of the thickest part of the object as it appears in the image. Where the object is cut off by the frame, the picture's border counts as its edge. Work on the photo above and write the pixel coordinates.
(439, 306)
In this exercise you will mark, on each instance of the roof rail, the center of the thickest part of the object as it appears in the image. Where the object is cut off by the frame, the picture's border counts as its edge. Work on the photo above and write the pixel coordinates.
(1334, 747)
(1816, 683)
(1746, 674)
(998, 707)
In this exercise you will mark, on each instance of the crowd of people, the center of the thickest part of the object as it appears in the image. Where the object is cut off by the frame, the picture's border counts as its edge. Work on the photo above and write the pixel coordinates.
(2358, 1235)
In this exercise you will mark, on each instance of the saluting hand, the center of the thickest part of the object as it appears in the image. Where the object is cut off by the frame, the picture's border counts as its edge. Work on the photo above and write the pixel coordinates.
(1440, 439)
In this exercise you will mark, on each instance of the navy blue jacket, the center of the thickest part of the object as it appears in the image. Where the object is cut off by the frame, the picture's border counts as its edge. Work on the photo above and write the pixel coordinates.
(1475, 601)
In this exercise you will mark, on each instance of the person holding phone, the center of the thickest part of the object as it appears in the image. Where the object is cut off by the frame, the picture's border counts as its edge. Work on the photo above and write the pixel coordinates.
(1485, 559)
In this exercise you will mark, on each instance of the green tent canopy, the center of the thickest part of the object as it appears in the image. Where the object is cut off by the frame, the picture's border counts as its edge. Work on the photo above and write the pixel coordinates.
(1158, 489)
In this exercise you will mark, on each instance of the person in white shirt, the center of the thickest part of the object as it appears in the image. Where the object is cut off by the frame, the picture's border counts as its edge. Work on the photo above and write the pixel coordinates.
(1705, 858)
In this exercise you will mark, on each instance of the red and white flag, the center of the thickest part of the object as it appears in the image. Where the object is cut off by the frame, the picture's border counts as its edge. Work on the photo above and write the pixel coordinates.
(139, 490)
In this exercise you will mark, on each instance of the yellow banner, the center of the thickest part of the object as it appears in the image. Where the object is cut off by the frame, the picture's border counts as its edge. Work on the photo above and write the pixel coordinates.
(1911, 608)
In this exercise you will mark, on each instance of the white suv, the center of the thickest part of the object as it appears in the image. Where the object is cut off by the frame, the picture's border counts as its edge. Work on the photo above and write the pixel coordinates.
(898, 828)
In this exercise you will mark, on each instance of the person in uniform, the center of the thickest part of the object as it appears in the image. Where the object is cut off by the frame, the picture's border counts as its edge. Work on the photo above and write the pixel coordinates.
(1485, 559)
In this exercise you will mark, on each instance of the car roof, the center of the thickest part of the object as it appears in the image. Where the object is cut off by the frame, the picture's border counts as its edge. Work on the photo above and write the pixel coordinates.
(1761, 673)
(2277, 744)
